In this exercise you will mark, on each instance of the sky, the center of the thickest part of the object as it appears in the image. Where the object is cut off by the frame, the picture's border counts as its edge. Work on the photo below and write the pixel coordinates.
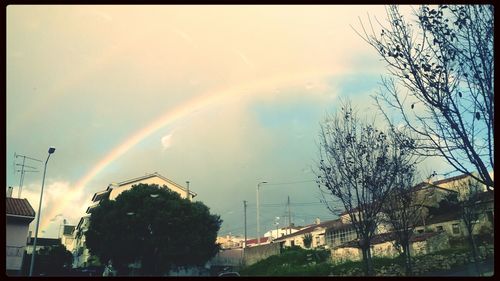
(222, 96)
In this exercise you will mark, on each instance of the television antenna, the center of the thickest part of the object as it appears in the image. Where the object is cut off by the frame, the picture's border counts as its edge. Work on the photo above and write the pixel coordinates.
(22, 169)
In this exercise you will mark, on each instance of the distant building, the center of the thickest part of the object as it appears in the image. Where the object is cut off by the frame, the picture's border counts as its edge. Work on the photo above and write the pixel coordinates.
(230, 241)
(280, 232)
(254, 242)
(42, 243)
(317, 231)
(19, 215)
(67, 238)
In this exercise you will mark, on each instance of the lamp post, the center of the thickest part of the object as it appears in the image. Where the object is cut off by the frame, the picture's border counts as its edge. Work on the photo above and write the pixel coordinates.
(258, 218)
(51, 150)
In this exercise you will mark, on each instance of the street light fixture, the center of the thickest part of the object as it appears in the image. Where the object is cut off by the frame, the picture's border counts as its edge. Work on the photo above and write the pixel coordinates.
(258, 214)
(51, 150)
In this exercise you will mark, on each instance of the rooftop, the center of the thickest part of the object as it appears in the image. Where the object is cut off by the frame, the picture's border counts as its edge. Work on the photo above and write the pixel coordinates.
(44, 241)
(19, 207)
(327, 224)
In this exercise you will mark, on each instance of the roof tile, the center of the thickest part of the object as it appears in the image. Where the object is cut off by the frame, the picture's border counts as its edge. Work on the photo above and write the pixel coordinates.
(19, 207)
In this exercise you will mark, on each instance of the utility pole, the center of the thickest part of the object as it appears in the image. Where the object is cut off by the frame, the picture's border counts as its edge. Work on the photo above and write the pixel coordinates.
(21, 180)
(289, 216)
(245, 212)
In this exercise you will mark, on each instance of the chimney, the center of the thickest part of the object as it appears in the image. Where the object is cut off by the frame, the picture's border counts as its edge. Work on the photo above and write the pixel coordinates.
(317, 221)
(187, 192)
(9, 191)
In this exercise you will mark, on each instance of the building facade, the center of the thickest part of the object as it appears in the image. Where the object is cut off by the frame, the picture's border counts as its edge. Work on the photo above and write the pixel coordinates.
(19, 215)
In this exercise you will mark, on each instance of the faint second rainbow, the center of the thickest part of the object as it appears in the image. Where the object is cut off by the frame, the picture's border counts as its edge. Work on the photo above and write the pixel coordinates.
(183, 110)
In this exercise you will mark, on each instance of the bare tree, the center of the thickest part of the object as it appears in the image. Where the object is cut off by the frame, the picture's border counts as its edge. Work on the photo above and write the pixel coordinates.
(357, 166)
(441, 82)
(472, 209)
(403, 210)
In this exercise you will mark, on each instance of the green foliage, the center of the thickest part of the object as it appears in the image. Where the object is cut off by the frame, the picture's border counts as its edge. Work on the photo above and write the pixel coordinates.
(160, 231)
(308, 238)
(293, 261)
(53, 261)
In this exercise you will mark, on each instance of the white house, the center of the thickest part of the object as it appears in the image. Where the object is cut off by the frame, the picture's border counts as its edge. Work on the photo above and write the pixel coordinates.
(19, 215)
(317, 231)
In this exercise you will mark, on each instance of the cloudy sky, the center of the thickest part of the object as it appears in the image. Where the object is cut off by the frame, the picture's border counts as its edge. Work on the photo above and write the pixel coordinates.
(222, 96)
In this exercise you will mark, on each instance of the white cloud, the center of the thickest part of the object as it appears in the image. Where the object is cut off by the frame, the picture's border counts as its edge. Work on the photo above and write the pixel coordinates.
(166, 141)
(55, 193)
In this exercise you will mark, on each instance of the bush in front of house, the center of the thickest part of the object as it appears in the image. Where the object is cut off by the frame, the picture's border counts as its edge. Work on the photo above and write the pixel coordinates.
(293, 261)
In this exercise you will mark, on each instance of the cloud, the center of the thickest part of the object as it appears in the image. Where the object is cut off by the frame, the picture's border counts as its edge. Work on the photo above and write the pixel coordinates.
(166, 141)
(54, 193)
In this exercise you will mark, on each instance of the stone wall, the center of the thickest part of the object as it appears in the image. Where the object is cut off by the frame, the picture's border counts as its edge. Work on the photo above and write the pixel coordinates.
(254, 254)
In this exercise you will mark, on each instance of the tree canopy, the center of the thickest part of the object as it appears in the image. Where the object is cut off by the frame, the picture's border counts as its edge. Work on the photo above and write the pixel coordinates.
(52, 261)
(358, 166)
(152, 226)
(441, 70)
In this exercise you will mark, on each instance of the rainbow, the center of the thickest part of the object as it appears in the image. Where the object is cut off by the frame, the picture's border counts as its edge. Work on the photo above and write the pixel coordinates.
(200, 102)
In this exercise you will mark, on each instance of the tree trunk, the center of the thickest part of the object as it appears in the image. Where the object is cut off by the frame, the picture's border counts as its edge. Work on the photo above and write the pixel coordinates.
(367, 261)
(474, 253)
(407, 257)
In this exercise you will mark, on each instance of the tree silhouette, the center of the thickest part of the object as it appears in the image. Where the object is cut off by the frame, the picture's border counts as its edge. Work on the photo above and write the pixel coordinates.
(154, 227)
(441, 82)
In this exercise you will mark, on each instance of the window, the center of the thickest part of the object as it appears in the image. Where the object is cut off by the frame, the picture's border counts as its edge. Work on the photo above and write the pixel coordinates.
(490, 216)
(420, 231)
(456, 228)
(293, 243)
(439, 228)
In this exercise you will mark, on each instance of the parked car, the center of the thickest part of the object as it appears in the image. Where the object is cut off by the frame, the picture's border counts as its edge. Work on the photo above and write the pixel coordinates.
(229, 274)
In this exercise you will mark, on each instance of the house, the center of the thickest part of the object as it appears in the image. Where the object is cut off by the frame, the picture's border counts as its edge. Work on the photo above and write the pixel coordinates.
(451, 221)
(42, 243)
(339, 233)
(113, 190)
(317, 231)
(254, 242)
(19, 215)
(81, 255)
(458, 183)
(280, 232)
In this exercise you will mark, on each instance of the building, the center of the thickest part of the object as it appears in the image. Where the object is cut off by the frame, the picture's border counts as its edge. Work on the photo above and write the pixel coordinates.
(19, 215)
(230, 241)
(67, 238)
(81, 255)
(42, 243)
(317, 231)
(254, 242)
(280, 232)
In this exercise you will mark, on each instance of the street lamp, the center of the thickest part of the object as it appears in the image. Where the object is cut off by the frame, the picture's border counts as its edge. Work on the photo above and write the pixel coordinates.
(51, 150)
(258, 218)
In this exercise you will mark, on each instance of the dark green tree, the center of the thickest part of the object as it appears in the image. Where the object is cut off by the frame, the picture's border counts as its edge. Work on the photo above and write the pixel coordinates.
(53, 261)
(308, 238)
(155, 227)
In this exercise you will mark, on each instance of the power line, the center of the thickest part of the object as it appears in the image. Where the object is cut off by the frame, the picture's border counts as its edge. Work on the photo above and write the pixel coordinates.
(291, 182)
